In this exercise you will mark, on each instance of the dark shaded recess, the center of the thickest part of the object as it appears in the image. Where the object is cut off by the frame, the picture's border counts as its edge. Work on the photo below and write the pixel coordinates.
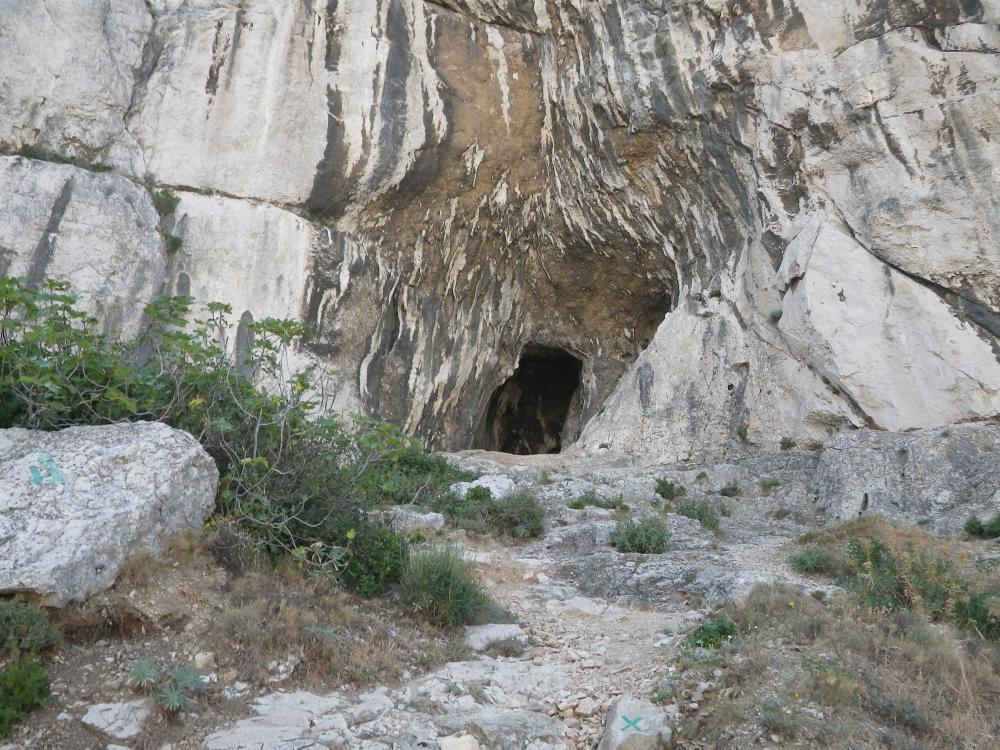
(527, 412)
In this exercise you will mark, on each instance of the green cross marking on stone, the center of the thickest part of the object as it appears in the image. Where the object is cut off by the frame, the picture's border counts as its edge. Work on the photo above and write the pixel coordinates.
(631, 724)
(49, 467)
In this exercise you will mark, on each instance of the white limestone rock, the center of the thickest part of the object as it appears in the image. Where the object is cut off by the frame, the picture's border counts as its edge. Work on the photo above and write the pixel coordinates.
(122, 721)
(481, 637)
(76, 504)
(935, 479)
(67, 72)
(635, 724)
(499, 485)
(97, 231)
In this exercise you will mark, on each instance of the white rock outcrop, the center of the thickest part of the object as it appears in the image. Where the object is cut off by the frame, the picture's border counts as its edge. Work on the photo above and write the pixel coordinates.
(75, 504)
(783, 228)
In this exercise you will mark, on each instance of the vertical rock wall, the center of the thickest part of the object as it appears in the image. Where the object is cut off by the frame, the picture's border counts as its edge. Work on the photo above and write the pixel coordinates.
(777, 216)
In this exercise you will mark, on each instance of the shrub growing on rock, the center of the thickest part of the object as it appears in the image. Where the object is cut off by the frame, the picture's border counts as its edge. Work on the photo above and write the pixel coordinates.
(520, 516)
(294, 483)
(811, 560)
(670, 490)
(707, 514)
(648, 536)
(25, 628)
(442, 587)
(713, 633)
(988, 530)
(24, 686)
(592, 499)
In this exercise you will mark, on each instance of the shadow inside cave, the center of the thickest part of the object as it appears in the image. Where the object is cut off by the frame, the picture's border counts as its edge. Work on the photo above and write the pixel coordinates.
(527, 412)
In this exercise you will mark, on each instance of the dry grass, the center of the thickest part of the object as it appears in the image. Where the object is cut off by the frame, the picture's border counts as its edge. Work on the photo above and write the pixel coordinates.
(890, 679)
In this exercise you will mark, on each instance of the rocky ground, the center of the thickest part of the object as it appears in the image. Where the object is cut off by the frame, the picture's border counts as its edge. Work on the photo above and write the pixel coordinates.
(594, 646)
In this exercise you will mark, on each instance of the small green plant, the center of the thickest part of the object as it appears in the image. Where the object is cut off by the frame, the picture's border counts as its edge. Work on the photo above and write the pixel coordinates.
(144, 674)
(715, 293)
(174, 243)
(24, 686)
(775, 718)
(742, 433)
(648, 536)
(165, 202)
(440, 585)
(25, 629)
(545, 478)
(775, 316)
(172, 688)
(701, 477)
(811, 560)
(766, 485)
(787, 443)
(713, 633)
(729, 490)
(172, 700)
(592, 499)
(987, 530)
(669, 490)
(519, 515)
(187, 679)
(705, 513)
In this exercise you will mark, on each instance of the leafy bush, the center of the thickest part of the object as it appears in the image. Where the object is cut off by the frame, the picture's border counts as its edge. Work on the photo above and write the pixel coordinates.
(520, 516)
(669, 490)
(25, 628)
(730, 490)
(591, 498)
(988, 530)
(441, 586)
(892, 579)
(743, 433)
(707, 514)
(787, 444)
(713, 633)
(24, 686)
(766, 485)
(647, 536)
(291, 481)
(165, 202)
(811, 560)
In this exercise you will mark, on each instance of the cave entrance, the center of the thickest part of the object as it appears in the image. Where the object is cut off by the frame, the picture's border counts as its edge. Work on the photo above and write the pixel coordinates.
(527, 413)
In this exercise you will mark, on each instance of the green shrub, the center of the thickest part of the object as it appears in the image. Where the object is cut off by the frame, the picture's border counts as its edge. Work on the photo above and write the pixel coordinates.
(702, 511)
(730, 490)
(811, 560)
(174, 243)
(440, 585)
(669, 490)
(24, 686)
(520, 516)
(742, 433)
(988, 530)
(787, 443)
(374, 555)
(172, 688)
(766, 485)
(648, 536)
(701, 477)
(165, 202)
(591, 498)
(775, 316)
(713, 633)
(25, 628)
(291, 482)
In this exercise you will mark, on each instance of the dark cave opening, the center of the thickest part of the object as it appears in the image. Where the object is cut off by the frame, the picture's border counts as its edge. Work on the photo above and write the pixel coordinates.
(527, 413)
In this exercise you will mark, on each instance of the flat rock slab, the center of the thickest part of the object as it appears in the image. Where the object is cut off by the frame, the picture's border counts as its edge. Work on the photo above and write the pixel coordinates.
(119, 720)
(635, 724)
(76, 504)
(481, 637)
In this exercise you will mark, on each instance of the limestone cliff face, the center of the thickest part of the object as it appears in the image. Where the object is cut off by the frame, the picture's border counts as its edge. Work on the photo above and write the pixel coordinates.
(782, 216)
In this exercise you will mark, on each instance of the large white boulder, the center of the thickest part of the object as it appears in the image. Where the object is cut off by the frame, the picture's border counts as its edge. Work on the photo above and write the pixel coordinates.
(76, 504)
